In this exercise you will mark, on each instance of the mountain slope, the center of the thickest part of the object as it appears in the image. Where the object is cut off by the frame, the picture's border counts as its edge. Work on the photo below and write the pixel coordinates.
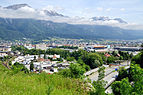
(40, 29)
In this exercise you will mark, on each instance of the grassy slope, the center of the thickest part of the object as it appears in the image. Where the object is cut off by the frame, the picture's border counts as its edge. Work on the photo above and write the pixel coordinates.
(37, 84)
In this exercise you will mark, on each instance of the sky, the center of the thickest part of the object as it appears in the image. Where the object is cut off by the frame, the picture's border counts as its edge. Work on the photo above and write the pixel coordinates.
(129, 10)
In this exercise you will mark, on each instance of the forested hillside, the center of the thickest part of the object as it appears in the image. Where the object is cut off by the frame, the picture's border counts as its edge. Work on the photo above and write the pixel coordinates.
(11, 29)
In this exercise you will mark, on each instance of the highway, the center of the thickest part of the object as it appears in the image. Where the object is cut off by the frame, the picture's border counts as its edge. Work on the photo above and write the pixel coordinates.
(110, 74)
(108, 71)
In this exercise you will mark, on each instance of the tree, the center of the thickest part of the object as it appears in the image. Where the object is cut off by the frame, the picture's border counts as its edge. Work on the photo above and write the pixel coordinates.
(17, 67)
(65, 73)
(142, 45)
(79, 54)
(34, 58)
(86, 67)
(110, 59)
(99, 88)
(97, 63)
(45, 57)
(136, 73)
(74, 71)
(114, 53)
(138, 59)
(116, 87)
(124, 87)
(10, 63)
(123, 73)
(39, 56)
(70, 59)
(31, 66)
(93, 60)
(99, 84)
(121, 58)
(101, 72)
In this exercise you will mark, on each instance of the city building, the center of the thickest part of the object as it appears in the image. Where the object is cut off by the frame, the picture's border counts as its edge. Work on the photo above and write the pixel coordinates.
(41, 46)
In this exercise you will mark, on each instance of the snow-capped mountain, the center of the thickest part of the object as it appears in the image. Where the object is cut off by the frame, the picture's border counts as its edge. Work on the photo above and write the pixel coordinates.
(44, 12)
(108, 19)
(120, 20)
(17, 6)
(51, 13)
(22, 21)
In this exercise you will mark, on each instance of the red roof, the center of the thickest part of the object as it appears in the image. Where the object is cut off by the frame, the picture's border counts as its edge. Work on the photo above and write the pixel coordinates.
(107, 55)
(54, 56)
(47, 60)
(41, 59)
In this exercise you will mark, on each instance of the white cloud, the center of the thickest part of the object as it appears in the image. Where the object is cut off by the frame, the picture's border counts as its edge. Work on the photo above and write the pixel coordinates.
(26, 9)
(122, 9)
(53, 8)
(38, 14)
(108, 9)
(99, 9)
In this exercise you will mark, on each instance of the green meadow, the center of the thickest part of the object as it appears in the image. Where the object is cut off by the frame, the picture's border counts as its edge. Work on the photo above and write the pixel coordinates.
(38, 84)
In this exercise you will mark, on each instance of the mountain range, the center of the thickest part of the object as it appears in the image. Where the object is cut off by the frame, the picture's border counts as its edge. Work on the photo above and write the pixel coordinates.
(37, 29)
(46, 12)
(108, 19)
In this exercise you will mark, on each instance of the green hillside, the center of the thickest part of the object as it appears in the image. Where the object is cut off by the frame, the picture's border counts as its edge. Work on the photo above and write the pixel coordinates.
(37, 84)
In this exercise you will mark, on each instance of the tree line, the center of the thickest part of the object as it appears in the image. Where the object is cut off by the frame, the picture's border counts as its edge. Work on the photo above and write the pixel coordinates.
(129, 81)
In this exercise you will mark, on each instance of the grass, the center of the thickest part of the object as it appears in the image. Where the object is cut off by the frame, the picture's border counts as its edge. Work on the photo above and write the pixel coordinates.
(38, 84)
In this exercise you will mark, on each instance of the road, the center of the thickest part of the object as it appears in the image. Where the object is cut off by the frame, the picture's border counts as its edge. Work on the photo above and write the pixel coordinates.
(108, 71)
(110, 74)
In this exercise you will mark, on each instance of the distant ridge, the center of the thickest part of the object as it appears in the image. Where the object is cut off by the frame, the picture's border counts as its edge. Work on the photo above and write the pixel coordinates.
(12, 29)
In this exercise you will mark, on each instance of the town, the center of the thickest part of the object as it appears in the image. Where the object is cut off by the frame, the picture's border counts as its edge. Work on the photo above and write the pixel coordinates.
(52, 63)
(76, 47)
(55, 58)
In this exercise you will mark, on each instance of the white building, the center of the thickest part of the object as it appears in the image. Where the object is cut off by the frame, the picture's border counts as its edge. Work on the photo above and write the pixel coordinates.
(5, 48)
(25, 59)
(55, 56)
(2, 53)
(41, 46)
(29, 46)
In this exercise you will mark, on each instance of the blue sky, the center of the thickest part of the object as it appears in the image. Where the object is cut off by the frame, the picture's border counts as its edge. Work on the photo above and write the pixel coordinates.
(129, 10)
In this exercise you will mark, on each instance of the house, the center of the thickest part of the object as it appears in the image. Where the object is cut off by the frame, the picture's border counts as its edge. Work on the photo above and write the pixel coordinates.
(107, 55)
(3, 53)
(56, 56)
(25, 59)
(63, 65)
(42, 65)
(41, 46)
(50, 56)
(41, 60)
(29, 46)
(5, 48)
